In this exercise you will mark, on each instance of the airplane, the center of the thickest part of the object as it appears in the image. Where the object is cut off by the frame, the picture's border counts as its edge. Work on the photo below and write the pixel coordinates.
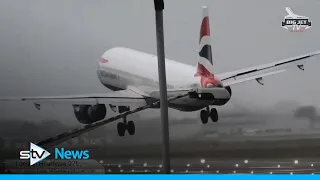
(133, 78)
(292, 15)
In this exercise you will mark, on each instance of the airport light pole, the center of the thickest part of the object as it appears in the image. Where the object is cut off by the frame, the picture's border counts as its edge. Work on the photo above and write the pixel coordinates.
(159, 6)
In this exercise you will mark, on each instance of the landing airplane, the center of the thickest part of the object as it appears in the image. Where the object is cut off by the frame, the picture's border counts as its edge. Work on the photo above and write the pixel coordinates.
(133, 78)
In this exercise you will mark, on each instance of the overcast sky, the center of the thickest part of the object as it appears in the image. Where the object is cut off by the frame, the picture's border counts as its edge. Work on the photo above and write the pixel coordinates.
(51, 47)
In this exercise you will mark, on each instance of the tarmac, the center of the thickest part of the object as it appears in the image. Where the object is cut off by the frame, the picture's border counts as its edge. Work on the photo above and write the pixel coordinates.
(273, 151)
(215, 166)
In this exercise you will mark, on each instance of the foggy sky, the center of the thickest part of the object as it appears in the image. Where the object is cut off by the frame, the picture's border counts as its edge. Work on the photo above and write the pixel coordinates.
(51, 47)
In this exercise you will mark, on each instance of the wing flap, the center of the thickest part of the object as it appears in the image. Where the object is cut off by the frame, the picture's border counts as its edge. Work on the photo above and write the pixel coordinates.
(256, 77)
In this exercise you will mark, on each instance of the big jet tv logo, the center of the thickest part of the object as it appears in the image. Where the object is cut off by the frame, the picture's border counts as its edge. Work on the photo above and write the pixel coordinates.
(37, 154)
(296, 23)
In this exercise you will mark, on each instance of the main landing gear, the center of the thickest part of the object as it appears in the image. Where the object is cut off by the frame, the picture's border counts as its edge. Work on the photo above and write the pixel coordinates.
(205, 114)
(123, 126)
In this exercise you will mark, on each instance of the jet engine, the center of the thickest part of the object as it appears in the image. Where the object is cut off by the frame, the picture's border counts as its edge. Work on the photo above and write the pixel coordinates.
(228, 88)
(88, 114)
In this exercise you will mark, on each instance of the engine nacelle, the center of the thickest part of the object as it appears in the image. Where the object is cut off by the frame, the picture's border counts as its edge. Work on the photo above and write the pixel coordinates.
(88, 114)
(228, 88)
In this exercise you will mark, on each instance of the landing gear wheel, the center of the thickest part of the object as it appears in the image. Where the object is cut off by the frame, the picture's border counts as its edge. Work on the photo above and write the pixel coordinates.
(131, 128)
(121, 127)
(204, 116)
(214, 115)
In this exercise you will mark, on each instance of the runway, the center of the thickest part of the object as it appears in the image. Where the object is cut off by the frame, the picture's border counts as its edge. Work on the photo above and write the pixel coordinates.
(191, 165)
(269, 151)
(299, 155)
(215, 166)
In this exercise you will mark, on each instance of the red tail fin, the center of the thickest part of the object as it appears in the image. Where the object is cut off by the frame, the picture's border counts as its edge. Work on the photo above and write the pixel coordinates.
(205, 65)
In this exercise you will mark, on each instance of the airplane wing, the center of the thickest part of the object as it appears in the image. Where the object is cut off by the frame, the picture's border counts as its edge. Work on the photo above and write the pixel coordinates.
(53, 141)
(131, 95)
(117, 97)
(258, 72)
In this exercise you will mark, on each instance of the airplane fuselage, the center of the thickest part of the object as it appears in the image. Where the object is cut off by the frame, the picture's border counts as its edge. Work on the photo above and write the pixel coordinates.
(122, 67)
(131, 67)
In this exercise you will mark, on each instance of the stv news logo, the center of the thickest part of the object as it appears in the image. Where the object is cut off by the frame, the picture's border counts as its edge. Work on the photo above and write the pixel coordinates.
(294, 22)
(37, 154)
